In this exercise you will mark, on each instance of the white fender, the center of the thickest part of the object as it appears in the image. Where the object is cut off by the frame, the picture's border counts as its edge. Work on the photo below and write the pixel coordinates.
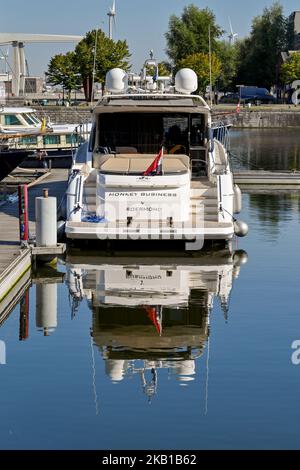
(237, 200)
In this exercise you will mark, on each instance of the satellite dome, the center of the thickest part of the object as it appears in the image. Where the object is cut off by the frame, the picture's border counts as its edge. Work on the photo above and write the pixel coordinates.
(116, 80)
(186, 81)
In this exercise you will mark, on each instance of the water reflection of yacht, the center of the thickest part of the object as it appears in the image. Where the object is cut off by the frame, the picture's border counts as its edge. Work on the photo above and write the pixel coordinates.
(151, 314)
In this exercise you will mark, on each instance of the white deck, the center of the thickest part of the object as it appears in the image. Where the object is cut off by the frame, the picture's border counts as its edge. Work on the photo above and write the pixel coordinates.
(203, 221)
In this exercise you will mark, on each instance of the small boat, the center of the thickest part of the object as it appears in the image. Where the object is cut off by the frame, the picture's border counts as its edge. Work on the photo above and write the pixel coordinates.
(156, 167)
(43, 140)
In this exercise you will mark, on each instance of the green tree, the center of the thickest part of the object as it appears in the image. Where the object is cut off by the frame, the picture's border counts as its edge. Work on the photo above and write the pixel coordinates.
(228, 55)
(63, 71)
(164, 69)
(258, 54)
(189, 33)
(109, 54)
(290, 70)
(200, 64)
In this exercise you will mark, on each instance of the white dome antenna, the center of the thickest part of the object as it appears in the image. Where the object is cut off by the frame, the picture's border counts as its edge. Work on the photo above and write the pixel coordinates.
(186, 81)
(116, 81)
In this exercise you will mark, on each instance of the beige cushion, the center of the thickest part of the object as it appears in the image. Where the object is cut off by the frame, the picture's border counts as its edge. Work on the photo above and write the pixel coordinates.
(172, 165)
(135, 165)
(99, 159)
(183, 158)
(139, 165)
(115, 165)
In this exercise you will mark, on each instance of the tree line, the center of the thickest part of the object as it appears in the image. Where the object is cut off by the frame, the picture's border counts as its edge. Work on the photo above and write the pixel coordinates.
(253, 60)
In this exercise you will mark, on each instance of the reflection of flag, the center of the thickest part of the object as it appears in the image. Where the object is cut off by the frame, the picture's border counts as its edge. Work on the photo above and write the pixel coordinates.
(156, 166)
(155, 315)
(238, 108)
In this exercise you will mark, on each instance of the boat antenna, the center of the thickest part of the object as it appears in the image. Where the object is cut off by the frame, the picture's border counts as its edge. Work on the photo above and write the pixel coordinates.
(210, 66)
(94, 66)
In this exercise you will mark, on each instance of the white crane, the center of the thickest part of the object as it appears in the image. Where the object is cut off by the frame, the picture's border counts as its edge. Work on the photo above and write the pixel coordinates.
(111, 19)
(5, 58)
(232, 36)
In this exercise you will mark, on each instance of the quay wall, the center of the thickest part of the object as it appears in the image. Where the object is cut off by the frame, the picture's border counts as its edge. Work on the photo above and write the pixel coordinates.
(64, 115)
(246, 119)
(263, 119)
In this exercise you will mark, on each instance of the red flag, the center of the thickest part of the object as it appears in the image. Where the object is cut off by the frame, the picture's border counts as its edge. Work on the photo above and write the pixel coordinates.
(155, 315)
(238, 108)
(156, 166)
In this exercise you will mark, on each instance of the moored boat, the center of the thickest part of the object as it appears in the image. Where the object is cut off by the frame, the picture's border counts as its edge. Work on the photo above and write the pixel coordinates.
(156, 167)
(10, 159)
(42, 140)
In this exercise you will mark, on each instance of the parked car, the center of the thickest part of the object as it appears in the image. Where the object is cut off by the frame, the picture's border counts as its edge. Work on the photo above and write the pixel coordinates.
(229, 98)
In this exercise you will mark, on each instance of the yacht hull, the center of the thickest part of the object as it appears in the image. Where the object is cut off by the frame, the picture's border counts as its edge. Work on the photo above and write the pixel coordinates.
(10, 159)
(102, 232)
(58, 158)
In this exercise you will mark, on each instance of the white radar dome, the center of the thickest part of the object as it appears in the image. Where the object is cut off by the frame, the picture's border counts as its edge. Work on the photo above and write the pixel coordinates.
(186, 81)
(114, 368)
(116, 80)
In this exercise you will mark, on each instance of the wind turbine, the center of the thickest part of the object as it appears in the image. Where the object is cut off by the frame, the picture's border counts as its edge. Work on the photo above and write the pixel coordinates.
(232, 36)
(111, 19)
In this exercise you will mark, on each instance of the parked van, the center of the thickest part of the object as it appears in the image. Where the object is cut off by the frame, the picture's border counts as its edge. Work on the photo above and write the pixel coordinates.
(256, 95)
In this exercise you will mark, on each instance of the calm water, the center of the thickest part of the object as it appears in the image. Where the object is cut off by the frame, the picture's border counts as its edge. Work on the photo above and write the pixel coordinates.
(268, 149)
(175, 353)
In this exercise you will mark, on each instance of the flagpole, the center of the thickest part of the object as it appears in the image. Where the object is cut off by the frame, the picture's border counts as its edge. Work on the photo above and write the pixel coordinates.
(210, 66)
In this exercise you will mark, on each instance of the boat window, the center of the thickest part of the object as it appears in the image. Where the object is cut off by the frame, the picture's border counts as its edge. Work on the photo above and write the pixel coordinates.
(197, 130)
(51, 139)
(145, 132)
(28, 140)
(29, 119)
(34, 117)
(73, 139)
(12, 120)
(92, 139)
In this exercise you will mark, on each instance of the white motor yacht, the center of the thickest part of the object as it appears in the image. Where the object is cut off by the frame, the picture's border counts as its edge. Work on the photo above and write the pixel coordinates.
(155, 167)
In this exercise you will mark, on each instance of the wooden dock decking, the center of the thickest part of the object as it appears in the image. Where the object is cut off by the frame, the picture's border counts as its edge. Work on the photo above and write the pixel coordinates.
(14, 261)
(268, 179)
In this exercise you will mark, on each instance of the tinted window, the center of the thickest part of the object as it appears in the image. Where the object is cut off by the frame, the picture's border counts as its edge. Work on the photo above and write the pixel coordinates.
(74, 139)
(144, 132)
(51, 139)
(28, 140)
(12, 120)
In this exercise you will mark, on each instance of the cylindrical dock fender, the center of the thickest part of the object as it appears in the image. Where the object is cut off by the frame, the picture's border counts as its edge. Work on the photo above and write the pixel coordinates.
(46, 307)
(73, 197)
(240, 257)
(46, 221)
(237, 199)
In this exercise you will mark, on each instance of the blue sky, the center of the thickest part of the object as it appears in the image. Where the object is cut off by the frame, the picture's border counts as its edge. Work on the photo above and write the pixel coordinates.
(142, 22)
